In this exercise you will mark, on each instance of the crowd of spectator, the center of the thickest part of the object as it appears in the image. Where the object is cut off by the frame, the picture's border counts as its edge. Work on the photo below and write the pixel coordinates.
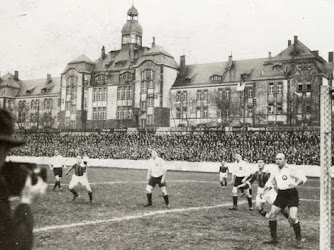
(302, 147)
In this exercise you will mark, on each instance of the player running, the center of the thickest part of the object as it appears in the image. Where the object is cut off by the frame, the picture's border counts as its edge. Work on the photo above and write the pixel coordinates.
(156, 175)
(223, 172)
(241, 171)
(57, 167)
(286, 180)
(79, 176)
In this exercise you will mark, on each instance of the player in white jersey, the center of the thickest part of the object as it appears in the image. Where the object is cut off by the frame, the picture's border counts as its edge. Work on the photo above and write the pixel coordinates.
(269, 196)
(156, 175)
(57, 166)
(240, 172)
(286, 180)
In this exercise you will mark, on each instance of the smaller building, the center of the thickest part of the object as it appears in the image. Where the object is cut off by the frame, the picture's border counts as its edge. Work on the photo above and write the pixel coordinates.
(34, 103)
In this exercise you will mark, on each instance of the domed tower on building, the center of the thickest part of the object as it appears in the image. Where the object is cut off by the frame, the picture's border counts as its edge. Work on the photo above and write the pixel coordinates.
(123, 88)
(132, 31)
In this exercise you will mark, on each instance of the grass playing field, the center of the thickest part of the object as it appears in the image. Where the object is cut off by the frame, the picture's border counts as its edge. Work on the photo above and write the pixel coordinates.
(199, 218)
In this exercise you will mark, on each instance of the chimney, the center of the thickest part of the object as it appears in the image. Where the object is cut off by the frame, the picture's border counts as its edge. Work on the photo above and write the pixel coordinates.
(48, 78)
(230, 58)
(316, 52)
(289, 43)
(103, 53)
(182, 62)
(153, 43)
(330, 56)
(269, 55)
(16, 75)
(295, 39)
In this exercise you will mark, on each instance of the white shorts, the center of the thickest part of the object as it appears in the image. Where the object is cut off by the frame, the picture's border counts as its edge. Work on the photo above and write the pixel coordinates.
(222, 175)
(269, 196)
(79, 179)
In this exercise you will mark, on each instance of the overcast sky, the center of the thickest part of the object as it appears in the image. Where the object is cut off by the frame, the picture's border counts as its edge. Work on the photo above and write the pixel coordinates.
(42, 36)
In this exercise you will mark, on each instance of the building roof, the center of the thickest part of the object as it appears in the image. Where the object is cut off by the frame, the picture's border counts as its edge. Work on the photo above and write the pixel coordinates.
(297, 50)
(132, 26)
(82, 64)
(230, 71)
(133, 11)
(39, 87)
(81, 59)
(114, 61)
(158, 55)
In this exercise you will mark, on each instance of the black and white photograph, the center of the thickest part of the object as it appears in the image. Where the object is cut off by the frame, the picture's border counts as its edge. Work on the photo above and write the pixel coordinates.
(166, 124)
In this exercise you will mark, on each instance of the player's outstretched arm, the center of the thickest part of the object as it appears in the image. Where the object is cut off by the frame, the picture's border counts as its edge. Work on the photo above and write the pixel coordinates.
(69, 169)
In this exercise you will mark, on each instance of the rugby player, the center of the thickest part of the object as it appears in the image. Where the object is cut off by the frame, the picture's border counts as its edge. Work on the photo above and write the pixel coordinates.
(223, 172)
(156, 175)
(58, 162)
(241, 171)
(79, 176)
(286, 180)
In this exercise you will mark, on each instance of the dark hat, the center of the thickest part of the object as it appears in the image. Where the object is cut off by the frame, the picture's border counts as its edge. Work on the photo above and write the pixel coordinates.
(7, 129)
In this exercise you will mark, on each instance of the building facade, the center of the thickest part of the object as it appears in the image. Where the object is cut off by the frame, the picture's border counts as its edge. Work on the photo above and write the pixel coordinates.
(144, 87)
(123, 88)
(279, 90)
(34, 103)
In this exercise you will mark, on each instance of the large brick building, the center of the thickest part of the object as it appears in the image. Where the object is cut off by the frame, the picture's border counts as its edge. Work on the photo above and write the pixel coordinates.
(144, 87)
(281, 89)
(123, 88)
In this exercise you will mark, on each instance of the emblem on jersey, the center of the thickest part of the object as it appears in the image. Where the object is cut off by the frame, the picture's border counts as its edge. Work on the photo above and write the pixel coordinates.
(284, 177)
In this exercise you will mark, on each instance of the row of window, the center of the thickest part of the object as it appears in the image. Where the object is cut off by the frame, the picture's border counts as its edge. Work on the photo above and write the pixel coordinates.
(70, 106)
(71, 81)
(146, 85)
(279, 89)
(181, 95)
(148, 103)
(69, 123)
(99, 94)
(127, 76)
(125, 93)
(124, 113)
(134, 39)
(72, 91)
(99, 113)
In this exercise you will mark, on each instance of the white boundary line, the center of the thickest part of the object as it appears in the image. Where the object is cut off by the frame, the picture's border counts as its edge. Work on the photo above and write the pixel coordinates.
(170, 181)
(131, 217)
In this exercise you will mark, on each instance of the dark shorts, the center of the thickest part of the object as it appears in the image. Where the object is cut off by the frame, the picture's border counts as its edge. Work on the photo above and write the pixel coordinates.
(156, 180)
(287, 197)
(58, 171)
(238, 182)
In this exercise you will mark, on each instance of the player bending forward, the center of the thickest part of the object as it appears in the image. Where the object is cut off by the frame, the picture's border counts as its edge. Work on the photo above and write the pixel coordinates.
(286, 180)
(223, 172)
(156, 175)
(79, 176)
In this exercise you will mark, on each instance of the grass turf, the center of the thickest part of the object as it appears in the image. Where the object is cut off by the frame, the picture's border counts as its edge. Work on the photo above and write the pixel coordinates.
(119, 193)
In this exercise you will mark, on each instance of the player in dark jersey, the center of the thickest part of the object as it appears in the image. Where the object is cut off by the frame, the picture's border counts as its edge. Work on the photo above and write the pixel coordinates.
(79, 176)
(269, 196)
(223, 172)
